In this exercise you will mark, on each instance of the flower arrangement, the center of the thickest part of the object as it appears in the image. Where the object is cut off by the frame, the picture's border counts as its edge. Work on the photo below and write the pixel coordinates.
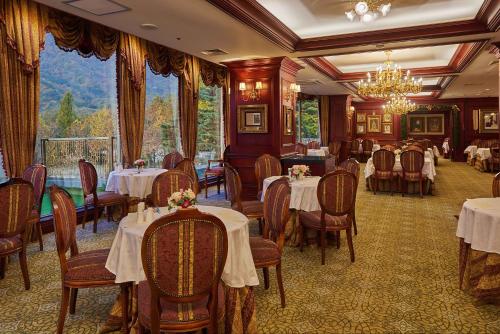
(183, 199)
(139, 163)
(299, 171)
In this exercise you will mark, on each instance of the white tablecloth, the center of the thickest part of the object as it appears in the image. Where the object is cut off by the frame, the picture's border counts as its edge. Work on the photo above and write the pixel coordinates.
(471, 149)
(479, 224)
(316, 152)
(428, 170)
(125, 262)
(435, 150)
(129, 182)
(483, 153)
(326, 149)
(303, 197)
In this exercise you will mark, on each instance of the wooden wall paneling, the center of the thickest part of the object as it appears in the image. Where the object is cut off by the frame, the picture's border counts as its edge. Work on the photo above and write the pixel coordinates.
(338, 117)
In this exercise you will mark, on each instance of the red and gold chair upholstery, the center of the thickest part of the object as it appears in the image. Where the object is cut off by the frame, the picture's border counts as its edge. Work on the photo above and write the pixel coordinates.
(171, 160)
(301, 148)
(367, 145)
(266, 166)
(334, 149)
(412, 162)
(80, 270)
(16, 205)
(384, 161)
(495, 156)
(217, 172)
(336, 197)
(36, 175)
(313, 145)
(415, 147)
(355, 148)
(495, 188)
(183, 256)
(267, 250)
(165, 184)
(352, 166)
(187, 166)
(88, 177)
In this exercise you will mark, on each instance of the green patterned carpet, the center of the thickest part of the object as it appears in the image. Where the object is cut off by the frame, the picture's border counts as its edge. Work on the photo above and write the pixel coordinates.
(404, 279)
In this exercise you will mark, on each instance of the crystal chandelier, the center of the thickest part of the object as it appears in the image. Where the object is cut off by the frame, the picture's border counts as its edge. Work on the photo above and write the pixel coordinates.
(399, 106)
(389, 81)
(368, 11)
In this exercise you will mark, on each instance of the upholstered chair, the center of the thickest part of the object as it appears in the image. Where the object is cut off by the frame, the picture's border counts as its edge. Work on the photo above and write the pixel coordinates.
(266, 166)
(313, 145)
(186, 241)
(345, 150)
(495, 189)
(301, 148)
(416, 147)
(412, 162)
(336, 196)
(106, 199)
(383, 161)
(334, 149)
(16, 205)
(267, 250)
(215, 169)
(352, 166)
(171, 160)
(36, 175)
(367, 148)
(355, 153)
(187, 166)
(165, 184)
(81, 269)
(495, 156)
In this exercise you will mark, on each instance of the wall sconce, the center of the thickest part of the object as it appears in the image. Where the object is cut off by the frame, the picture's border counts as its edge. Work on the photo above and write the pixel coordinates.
(350, 112)
(292, 91)
(250, 94)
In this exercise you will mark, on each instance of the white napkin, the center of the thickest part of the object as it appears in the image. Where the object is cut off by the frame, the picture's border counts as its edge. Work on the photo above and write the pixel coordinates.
(149, 215)
(140, 212)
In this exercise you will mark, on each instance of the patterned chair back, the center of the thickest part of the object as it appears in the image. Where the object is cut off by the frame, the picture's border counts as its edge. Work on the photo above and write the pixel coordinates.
(334, 148)
(88, 178)
(233, 185)
(165, 184)
(384, 160)
(277, 210)
(36, 175)
(16, 203)
(183, 255)
(412, 161)
(313, 145)
(350, 165)
(301, 148)
(495, 150)
(337, 192)
(171, 160)
(367, 145)
(496, 186)
(265, 166)
(187, 166)
(355, 146)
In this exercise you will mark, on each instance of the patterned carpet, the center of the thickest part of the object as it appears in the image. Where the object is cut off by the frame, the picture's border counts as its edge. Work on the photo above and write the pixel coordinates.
(404, 279)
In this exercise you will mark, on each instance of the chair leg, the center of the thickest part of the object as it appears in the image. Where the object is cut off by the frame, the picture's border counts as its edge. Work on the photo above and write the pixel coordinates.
(218, 185)
(266, 278)
(323, 247)
(24, 268)
(84, 216)
(63, 310)
(279, 278)
(124, 304)
(261, 229)
(96, 218)
(206, 186)
(349, 243)
(3, 265)
(40, 235)
(225, 190)
(337, 239)
(421, 189)
(375, 186)
(72, 300)
(354, 221)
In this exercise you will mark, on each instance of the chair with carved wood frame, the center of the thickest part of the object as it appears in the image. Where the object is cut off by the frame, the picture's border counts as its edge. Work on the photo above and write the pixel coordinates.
(367, 145)
(266, 166)
(171, 159)
(165, 184)
(268, 248)
(177, 302)
(495, 156)
(301, 148)
(336, 196)
(495, 187)
(313, 145)
(16, 205)
(383, 161)
(187, 166)
(352, 166)
(334, 149)
(37, 175)
(218, 173)
(355, 153)
(412, 162)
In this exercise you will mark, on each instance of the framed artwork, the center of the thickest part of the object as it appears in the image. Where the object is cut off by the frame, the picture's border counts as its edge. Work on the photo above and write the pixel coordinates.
(432, 124)
(417, 124)
(435, 124)
(288, 120)
(387, 118)
(488, 121)
(360, 128)
(387, 128)
(252, 118)
(373, 123)
(360, 117)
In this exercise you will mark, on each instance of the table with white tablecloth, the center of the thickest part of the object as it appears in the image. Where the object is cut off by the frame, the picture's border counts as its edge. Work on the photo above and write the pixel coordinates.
(376, 147)
(130, 182)
(316, 152)
(326, 149)
(478, 229)
(471, 154)
(482, 157)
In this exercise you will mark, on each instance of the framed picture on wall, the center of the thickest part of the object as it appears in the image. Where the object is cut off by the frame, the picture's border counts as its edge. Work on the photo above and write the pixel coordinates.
(373, 123)
(387, 118)
(360, 117)
(288, 120)
(488, 121)
(435, 124)
(417, 124)
(252, 118)
(361, 128)
(387, 128)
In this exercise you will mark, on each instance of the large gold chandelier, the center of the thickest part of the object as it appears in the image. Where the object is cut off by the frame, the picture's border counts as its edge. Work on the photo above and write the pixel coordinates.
(389, 82)
(399, 106)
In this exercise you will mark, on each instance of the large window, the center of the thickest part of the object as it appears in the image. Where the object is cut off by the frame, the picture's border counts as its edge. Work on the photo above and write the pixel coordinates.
(307, 118)
(161, 121)
(210, 144)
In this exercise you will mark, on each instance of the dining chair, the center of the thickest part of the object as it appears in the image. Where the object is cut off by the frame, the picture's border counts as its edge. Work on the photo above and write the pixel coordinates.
(355, 153)
(301, 148)
(81, 270)
(334, 149)
(352, 166)
(336, 196)
(183, 256)
(495, 189)
(167, 183)
(268, 248)
(266, 166)
(313, 145)
(187, 166)
(171, 159)
(412, 162)
(16, 205)
(36, 175)
(367, 145)
(495, 156)
(383, 161)
(389, 147)
(91, 197)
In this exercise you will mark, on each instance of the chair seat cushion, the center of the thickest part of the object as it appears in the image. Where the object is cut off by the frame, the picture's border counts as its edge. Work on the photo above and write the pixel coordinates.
(11, 243)
(217, 171)
(313, 220)
(89, 266)
(253, 209)
(106, 198)
(264, 250)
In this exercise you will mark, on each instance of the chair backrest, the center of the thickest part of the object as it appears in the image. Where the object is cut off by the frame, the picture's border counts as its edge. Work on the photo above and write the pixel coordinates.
(187, 166)
(88, 178)
(36, 175)
(337, 192)
(330, 163)
(165, 184)
(183, 255)
(412, 161)
(334, 148)
(355, 145)
(313, 145)
(352, 166)
(495, 150)
(16, 203)
(171, 160)
(496, 186)
(233, 185)
(367, 145)
(415, 147)
(265, 166)
(277, 210)
(384, 160)
(301, 148)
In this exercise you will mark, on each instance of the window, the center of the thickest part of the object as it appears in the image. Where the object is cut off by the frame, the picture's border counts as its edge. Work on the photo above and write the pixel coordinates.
(3, 175)
(307, 120)
(78, 117)
(210, 142)
(161, 120)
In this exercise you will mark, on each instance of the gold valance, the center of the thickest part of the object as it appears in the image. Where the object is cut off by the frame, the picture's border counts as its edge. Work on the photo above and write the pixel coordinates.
(212, 74)
(165, 61)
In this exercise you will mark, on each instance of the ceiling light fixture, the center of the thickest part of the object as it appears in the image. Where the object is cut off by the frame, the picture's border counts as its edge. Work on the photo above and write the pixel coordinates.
(149, 26)
(367, 11)
(399, 106)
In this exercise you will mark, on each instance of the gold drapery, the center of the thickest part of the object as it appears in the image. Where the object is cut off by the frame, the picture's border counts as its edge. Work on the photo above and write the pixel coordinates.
(22, 32)
(131, 82)
(226, 108)
(324, 119)
(165, 61)
(189, 89)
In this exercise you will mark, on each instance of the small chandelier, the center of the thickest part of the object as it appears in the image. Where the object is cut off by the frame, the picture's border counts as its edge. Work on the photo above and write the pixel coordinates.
(367, 11)
(389, 81)
(399, 106)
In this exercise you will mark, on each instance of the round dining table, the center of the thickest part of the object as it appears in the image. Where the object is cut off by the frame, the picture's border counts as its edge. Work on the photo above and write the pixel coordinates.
(131, 182)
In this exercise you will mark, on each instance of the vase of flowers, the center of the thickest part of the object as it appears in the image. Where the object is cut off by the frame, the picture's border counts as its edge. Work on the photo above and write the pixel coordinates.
(139, 164)
(299, 171)
(182, 199)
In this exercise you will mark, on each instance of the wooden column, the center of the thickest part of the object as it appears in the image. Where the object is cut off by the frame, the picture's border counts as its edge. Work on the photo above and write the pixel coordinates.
(495, 49)
(339, 104)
